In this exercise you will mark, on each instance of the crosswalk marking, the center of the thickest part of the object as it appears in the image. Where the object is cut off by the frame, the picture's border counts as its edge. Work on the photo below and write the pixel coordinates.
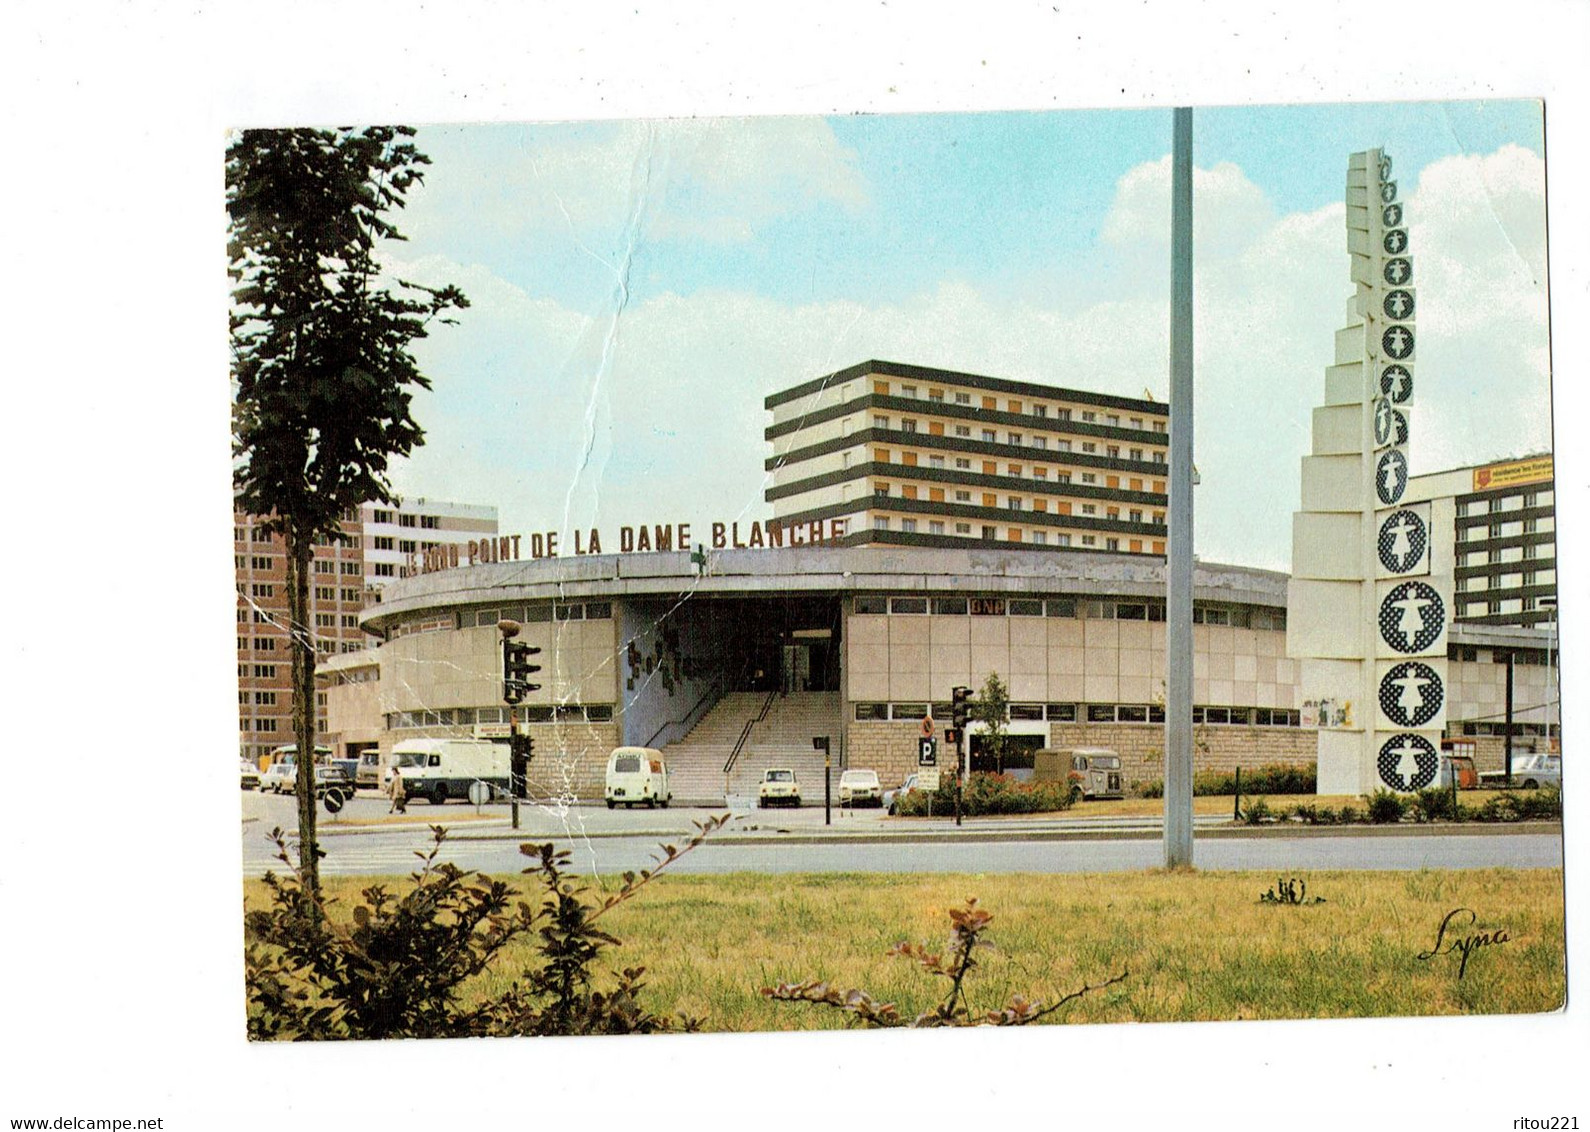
(343, 859)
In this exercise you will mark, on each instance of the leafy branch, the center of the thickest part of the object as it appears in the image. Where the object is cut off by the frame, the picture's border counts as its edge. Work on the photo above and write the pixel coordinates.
(396, 965)
(967, 926)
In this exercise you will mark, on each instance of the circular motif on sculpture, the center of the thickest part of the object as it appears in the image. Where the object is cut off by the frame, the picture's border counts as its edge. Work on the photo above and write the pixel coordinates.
(1396, 383)
(1411, 694)
(1397, 342)
(1412, 617)
(1391, 477)
(1407, 762)
(1402, 540)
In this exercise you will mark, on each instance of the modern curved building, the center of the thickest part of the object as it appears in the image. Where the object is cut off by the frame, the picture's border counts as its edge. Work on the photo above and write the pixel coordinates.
(858, 644)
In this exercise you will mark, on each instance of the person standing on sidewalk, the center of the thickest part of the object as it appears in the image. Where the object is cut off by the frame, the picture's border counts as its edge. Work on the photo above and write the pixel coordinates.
(400, 798)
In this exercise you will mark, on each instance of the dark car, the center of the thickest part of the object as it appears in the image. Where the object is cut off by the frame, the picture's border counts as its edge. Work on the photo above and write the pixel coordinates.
(327, 778)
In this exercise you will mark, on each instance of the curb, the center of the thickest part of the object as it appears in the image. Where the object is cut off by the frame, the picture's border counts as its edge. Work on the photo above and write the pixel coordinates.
(984, 835)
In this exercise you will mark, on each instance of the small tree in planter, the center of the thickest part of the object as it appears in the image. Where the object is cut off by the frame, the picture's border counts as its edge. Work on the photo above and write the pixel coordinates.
(991, 708)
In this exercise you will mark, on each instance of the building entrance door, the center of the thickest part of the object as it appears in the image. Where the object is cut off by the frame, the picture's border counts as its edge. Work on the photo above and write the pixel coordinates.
(795, 671)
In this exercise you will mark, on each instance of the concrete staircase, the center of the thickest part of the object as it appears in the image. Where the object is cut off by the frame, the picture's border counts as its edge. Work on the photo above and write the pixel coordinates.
(782, 738)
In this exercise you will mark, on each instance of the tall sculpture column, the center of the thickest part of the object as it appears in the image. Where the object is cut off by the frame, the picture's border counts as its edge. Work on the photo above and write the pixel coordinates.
(1371, 592)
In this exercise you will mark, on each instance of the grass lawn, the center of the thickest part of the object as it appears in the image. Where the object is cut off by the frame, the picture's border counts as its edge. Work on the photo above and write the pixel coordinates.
(1199, 946)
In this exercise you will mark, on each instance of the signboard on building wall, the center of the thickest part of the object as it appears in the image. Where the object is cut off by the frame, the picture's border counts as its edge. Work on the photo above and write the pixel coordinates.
(1514, 472)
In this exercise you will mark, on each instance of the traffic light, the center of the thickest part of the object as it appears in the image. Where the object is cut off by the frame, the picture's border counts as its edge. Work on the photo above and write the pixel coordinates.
(958, 709)
(521, 749)
(952, 737)
(516, 670)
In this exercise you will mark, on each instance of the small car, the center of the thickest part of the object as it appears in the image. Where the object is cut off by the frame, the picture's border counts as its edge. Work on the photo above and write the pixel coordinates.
(1528, 771)
(891, 798)
(250, 774)
(278, 776)
(860, 788)
(326, 778)
(778, 788)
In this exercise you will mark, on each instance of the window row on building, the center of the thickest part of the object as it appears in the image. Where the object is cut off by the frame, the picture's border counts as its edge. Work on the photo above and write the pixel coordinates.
(1500, 655)
(1242, 617)
(1088, 713)
(527, 713)
(1011, 444)
(1038, 409)
(324, 646)
(993, 532)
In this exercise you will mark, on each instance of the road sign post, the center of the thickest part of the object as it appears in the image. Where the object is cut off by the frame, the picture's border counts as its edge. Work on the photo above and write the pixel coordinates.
(820, 743)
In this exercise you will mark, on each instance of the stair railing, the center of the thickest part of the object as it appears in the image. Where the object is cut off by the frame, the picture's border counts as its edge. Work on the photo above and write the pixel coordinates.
(745, 732)
(714, 693)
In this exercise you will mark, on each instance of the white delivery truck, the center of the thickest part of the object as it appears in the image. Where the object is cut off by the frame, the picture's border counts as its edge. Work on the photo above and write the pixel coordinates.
(440, 769)
(637, 774)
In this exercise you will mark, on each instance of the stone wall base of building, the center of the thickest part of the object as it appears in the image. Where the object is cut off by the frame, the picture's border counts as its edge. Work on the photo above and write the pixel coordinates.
(891, 748)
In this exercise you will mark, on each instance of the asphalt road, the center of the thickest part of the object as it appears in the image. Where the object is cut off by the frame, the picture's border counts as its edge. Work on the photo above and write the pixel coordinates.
(609, 843)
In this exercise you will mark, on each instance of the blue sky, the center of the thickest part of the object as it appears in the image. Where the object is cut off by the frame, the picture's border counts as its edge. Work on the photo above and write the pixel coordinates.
(640, 286)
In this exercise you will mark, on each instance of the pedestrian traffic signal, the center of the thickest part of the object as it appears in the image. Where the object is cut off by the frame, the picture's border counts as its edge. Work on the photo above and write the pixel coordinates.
(516, 669)
(958, 708)
(952, 738)
(521, 749)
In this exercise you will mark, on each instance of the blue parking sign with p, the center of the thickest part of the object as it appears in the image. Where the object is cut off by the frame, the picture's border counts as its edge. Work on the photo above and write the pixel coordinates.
(927, 752)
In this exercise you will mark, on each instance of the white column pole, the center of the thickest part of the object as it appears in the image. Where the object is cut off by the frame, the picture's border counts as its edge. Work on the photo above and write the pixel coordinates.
(1179, 562)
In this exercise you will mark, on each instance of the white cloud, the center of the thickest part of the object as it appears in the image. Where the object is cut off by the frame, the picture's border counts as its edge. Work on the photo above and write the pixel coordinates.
(676, 179)
(1477, 228)
(659, 416)
(1230, 212)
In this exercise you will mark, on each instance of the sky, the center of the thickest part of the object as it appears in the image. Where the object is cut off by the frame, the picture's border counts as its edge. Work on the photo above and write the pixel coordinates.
(639, 286)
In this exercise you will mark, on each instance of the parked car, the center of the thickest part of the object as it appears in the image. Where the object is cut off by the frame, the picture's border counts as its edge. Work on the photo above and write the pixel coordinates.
(860, 788)
(279, 776)
(891, 798)
(326, 778)
(778, 788)
(250, 775)
(1530, 771)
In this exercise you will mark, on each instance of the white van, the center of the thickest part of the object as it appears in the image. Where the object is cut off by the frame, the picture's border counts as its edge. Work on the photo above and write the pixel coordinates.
(637, 774)
(440, 769)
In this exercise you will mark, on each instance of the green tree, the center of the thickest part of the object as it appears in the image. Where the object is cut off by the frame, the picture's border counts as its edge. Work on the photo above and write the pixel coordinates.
(991, 708)
(321, 369)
